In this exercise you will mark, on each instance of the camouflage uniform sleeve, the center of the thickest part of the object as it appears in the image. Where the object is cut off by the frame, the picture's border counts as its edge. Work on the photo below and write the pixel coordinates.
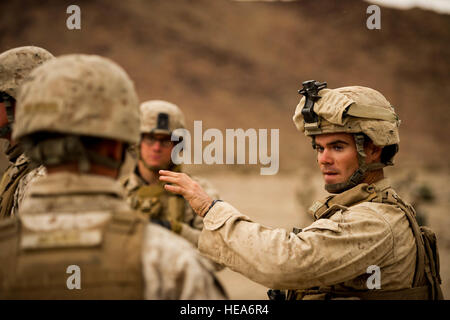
(4, 161)
(24, 186)
(191, 233)
(130, 184)
(327, 252)
(174, 270)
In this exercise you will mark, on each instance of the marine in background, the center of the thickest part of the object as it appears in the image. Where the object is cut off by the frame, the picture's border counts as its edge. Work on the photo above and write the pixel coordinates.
(18, 171)
(145, 192)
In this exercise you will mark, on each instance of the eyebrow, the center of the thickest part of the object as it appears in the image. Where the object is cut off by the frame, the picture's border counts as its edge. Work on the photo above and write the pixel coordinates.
(332, 143)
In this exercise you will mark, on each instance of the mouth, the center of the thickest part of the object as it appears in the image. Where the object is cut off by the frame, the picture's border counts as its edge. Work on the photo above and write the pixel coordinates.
(329, 176)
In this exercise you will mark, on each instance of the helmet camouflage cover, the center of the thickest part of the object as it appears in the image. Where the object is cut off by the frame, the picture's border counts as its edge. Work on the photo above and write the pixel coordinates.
(80, 95)
(356, 110)
(17, 63)
(158, 116)
(352, 109)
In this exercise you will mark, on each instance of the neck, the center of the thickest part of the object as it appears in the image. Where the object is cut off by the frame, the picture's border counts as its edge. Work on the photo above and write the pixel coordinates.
(373, 176)
(148, 175)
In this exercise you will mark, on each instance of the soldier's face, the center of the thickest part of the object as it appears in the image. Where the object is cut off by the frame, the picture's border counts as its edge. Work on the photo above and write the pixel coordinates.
(337, 156)
(156, 149)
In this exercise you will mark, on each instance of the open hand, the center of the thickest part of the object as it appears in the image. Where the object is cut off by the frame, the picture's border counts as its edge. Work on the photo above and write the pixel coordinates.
(188, 188)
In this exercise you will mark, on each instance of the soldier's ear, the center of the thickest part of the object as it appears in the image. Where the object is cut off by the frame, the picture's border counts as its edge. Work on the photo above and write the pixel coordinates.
(373, 152)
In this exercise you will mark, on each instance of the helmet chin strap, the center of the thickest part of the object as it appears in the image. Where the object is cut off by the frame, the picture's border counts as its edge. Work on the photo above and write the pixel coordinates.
(358, 176)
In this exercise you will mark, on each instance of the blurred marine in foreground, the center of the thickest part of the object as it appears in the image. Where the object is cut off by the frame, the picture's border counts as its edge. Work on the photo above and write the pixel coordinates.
(365, 242)
(15, 66)
(76, 114)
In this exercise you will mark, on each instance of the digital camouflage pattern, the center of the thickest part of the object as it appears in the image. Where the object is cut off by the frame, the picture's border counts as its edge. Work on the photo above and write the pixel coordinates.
(73, 204)
(121, 255)
(4, 161)
(353, 109)
(24, 185)
(359, 227)
(149, 117)
(15, 180)
(335, 250)
(155, 206)
(162, 117)
(16, 64)
(76, 100)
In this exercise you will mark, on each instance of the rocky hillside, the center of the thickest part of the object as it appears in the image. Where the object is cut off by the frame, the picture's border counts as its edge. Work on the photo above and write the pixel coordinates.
(239, 64)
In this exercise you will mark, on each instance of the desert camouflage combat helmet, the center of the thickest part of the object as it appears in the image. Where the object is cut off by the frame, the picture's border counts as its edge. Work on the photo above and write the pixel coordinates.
(16, 64)
(162, 117)
(83, 95)
(356, 110)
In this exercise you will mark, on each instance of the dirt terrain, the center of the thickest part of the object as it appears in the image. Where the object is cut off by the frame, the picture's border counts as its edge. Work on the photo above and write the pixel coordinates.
(240, 64)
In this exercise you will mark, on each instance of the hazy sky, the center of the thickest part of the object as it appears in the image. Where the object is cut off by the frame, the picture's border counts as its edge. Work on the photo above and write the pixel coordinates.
(442, 6)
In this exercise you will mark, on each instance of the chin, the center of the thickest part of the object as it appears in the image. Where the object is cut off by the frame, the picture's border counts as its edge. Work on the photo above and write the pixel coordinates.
(331, 181)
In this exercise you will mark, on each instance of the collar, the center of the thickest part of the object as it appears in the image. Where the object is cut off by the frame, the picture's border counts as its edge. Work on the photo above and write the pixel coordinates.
(65, 183)
(360, 193)
(133, 180)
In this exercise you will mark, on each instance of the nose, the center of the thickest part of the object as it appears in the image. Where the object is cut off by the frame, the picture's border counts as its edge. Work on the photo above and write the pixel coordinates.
(157, 145)
(324, 157)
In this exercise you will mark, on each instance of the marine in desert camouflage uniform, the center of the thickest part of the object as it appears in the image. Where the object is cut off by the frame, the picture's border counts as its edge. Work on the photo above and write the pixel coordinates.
(15, 65)
(76, 115)
(159, 119)
(362, 225)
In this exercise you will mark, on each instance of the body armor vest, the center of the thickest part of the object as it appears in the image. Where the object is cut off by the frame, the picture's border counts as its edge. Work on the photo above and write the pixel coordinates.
(426, 283)
(35, 263)
(158, 203)
(154, 200)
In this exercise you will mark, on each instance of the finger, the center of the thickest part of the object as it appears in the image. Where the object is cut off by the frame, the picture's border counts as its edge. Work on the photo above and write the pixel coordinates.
(168, 179)
(168, 173)
(174, 189)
